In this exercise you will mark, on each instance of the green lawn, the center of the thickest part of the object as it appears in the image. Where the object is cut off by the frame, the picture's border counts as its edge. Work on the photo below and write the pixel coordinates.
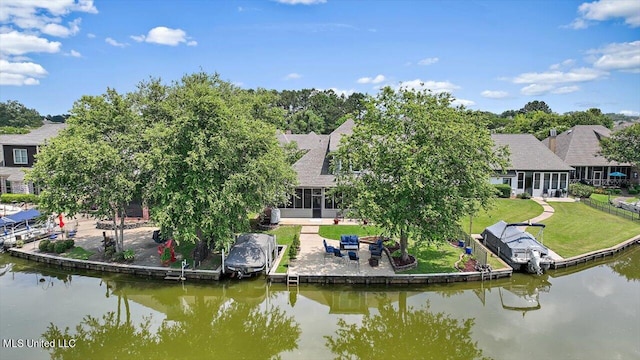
(334, 231)
(576, 228)
(602, 197)
(79, 253)
(434, 258)
(509, 210)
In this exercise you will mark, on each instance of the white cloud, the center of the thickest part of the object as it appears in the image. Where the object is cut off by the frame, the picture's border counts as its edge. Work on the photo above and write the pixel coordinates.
(536, 89)
(565, 89)
(74, 53)
(367, 80)
(62, 31)
(556, 77)
(91, 36)
(16, 43)
(494, 94)
(435, 86)
(292, 76)
(20, 73)
(165, 36)
(618, 56)
(44, 16)
(463, 102)
(565, 64)
(428, 61)
(630, 112)
(604, 10)
(301, 2)
(115, 43)
(342, 91)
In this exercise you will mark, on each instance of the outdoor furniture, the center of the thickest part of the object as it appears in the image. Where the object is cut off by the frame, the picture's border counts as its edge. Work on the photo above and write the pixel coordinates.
(72, 233)
(328, 249)
(376, 248)
(157, 237)
(338, 253)
(353, 256)
(349, 242)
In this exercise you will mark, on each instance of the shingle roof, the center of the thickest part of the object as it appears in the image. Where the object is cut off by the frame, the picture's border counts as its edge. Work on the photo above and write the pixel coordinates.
(579, 146)
(528, 153)
(345, 129)
(12, 173)
(35, 137)
(313, 167)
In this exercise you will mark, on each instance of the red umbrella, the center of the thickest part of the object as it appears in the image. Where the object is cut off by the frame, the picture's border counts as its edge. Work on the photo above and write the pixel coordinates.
(61, 222)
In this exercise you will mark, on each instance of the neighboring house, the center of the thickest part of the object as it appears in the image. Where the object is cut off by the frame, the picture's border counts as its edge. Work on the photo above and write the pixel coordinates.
(18, 153)
(533, 167)
(312, 198)
(579, 148)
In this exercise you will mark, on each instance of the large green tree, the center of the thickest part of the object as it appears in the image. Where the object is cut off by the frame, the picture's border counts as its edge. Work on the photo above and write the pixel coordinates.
(210, 161)
(92, 164)
(623, 145)
(15, 114)
(423, 165)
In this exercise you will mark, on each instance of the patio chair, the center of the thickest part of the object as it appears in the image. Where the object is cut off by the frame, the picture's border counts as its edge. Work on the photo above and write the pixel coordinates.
(353, 256)
(338, 253)
(328, 249)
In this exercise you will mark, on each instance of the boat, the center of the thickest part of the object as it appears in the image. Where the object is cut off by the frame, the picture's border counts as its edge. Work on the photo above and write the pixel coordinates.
(518, 248)
(251, 254)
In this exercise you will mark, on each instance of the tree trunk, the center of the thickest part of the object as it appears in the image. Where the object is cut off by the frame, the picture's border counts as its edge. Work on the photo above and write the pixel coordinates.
(121, 239)
(404, 244)
(115, 230)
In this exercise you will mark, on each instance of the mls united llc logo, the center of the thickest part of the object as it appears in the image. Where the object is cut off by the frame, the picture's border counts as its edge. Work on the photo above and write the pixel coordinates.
(38, 343)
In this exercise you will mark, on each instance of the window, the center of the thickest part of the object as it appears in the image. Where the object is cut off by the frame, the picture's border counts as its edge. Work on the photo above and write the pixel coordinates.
(506, 181)
(563, 181)
(536, 180)
(20, 156)
(554, 181)
(547, 177)
(520, 180)
(307, 198)
(298, 199)
(332, 201)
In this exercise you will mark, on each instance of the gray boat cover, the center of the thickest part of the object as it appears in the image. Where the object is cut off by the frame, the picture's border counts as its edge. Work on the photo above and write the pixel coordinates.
(249, 253)
(515, 238)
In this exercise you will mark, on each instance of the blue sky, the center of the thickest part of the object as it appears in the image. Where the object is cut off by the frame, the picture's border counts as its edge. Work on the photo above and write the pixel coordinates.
(491, 55)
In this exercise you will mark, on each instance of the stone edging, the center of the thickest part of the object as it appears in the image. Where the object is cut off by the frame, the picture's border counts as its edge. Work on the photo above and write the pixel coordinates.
(138, 270)
(108, 225)
(575, 260)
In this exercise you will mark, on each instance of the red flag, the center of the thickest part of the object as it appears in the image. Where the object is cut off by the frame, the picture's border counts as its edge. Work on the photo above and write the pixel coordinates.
(61, 222)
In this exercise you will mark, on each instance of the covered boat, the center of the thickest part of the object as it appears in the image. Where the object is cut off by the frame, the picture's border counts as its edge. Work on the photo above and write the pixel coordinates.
(517, 247)
(251, 254)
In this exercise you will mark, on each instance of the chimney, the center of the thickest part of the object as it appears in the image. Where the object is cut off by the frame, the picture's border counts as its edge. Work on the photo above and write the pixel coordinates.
(552, 140)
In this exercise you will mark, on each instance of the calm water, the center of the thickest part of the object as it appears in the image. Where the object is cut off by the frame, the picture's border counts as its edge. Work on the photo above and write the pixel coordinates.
(588, 312)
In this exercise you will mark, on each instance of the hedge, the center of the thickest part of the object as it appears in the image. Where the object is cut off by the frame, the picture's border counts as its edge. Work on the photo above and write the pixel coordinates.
(581, 190)
(27, 198)
(504, 190)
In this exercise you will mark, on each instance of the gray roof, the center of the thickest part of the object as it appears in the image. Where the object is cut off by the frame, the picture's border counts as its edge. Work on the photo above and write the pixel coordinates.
(345, 129)
(35, 137)
(313, 168)
(12, 173)
(579, 146)
(528, 153)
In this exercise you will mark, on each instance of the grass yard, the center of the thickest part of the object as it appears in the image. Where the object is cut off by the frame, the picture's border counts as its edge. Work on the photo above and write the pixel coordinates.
(284, 236)
(77, 252)
(334, 231)
(435, 258)
(601, 197)
(576, 228)
(509, 210)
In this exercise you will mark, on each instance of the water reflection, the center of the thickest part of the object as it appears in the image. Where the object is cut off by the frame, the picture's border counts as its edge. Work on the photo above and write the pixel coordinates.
(523, 295)
(404, 332)
(238, 322)
(627, 265)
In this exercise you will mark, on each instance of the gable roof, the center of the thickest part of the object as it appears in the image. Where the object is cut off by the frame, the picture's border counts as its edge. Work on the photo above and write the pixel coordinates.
(345, 129)
(313, 167)
(528, 153)
(579, 146)
(35, 137)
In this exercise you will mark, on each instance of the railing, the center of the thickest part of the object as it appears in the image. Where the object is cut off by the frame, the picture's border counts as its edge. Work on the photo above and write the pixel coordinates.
(607, 207)
(478, 252)
(603, 182)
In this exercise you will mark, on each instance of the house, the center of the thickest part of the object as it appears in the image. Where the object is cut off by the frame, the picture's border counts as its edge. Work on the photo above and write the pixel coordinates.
(312, 198)
(18, 153)
(533, 167)
(579, 148)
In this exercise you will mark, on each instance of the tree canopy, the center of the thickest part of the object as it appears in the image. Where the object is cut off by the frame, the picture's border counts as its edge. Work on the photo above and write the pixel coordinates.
(623, 145)
(210, 162)
(15, 114)
(424, 164)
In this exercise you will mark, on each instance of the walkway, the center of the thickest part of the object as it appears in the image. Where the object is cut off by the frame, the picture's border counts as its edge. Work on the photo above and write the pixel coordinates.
(312, 261)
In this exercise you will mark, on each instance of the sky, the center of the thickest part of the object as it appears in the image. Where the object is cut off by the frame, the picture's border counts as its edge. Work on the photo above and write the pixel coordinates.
(490, 55)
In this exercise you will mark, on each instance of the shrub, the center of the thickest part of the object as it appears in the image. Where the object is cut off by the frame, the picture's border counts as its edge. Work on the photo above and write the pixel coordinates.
(600, 191)
(524, 195)
(28, 198)
(69, 243)
(617, 191)
(59, 247)
(129, 254)
(44, 245)
(504, 190)
(580, 190)
(296, 241)
(51, 247)
(633, 191)
(293, 252)
(118, 257)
